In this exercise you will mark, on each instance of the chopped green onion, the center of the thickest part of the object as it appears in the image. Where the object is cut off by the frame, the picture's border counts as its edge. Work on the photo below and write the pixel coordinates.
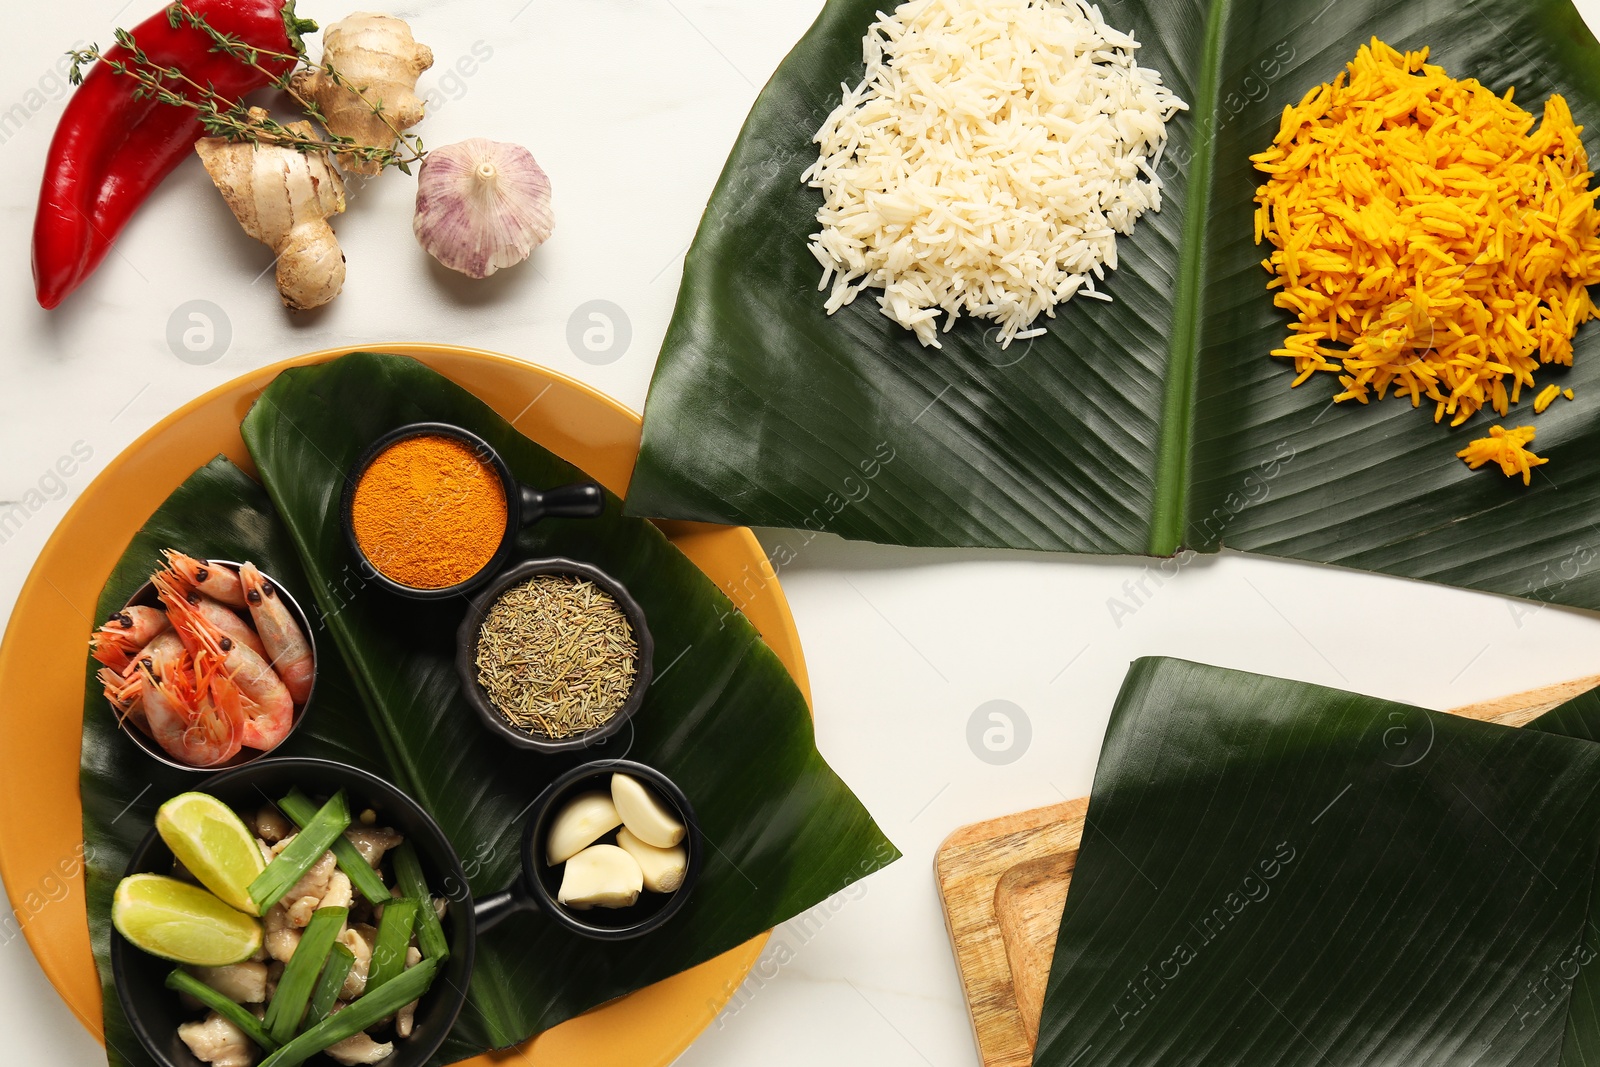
(394, 935)
(305, 850)
(329, 985)
(408, 876)
(300, 975)
(181, 981)
(369, 1010)
(302, 810)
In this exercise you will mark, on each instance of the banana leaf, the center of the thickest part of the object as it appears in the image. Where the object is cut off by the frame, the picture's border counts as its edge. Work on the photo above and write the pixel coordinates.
(1152, 424)
(1277, 873)
(1579, 717)
(725, 720)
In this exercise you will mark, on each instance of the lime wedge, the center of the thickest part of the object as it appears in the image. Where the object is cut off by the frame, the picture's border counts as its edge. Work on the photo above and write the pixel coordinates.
(213, 843)
(182, 922)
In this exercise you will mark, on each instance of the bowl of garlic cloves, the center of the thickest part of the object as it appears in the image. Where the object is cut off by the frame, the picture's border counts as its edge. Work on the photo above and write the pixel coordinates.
(613, 849)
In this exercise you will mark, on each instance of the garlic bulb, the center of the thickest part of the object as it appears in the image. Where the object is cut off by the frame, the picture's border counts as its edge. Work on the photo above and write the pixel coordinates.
(482, 205)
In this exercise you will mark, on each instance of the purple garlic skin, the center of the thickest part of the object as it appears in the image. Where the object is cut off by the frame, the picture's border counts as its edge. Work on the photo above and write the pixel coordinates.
(482, 205)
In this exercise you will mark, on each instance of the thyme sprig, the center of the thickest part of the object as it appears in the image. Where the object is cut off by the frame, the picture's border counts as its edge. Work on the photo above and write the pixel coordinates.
(221, 117)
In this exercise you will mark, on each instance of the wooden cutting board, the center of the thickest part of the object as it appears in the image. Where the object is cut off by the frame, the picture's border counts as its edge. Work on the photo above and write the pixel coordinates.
(1003, 884)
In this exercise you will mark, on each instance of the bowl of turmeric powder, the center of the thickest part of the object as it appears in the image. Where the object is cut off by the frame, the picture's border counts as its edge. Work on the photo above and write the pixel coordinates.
(431, 510)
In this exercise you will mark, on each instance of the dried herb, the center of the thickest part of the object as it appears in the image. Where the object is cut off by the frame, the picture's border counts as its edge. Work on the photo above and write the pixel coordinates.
(557, 656)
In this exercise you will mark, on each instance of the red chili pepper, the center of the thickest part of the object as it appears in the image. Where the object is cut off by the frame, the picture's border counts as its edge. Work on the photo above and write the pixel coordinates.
(111, 150)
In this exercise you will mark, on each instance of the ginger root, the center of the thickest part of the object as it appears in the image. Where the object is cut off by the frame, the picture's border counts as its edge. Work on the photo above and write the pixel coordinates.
(283, 198)
(378, 62)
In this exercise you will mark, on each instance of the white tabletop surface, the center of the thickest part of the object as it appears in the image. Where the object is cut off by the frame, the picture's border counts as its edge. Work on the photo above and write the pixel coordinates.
(631, 106)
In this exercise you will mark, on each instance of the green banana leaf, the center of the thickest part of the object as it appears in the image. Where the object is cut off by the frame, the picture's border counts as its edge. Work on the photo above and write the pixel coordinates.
(1277, 873)
(1580, 717)
(1151, 424)
(722, 717)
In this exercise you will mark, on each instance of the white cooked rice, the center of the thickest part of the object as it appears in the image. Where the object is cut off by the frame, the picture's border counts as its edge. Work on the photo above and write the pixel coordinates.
(986, 162)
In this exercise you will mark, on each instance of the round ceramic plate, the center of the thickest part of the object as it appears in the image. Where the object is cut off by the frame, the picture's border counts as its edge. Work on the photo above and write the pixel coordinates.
(42, 676)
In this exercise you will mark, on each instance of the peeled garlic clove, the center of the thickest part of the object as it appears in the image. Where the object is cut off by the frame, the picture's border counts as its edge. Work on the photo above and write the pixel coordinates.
(643, 813)
(578, 824)
(481, 205)
(663, 868)
(601, 876)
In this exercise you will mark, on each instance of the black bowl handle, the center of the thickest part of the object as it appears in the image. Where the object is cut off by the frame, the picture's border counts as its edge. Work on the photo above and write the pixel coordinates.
(580, 500)
(492, 910)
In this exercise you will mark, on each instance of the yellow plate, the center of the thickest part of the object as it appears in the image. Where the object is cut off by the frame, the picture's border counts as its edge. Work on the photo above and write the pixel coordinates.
(43, 655)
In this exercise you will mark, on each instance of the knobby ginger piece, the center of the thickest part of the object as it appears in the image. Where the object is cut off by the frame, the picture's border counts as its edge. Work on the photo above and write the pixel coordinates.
(283, 198)
(379, 62)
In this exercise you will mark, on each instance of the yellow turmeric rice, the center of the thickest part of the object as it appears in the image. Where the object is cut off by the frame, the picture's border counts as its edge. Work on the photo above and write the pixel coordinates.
(1508, 448)
(1428, 239)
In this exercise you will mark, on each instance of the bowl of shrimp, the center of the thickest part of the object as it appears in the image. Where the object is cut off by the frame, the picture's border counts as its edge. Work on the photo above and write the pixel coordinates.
(210, 664)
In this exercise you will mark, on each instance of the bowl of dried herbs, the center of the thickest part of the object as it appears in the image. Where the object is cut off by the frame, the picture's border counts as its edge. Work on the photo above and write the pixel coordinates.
(554, 655)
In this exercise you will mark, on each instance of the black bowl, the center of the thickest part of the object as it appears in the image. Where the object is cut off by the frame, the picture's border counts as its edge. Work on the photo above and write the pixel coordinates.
(524, 505)
(467, 654)
(606, 924)
(154, 1011)
(146, 596)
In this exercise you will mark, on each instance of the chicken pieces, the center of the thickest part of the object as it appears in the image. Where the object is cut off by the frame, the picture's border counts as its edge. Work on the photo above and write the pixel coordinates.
(359, 1049)
(305, 896)
(373, 843)
(218, 1042)
(359, 939)
(242, 983)
(406, 1019)
(281, 937)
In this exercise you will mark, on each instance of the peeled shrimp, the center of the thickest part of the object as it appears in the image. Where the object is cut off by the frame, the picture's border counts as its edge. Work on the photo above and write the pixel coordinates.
(122, 636)
(267, 708)
(287, 648)
(184, 716)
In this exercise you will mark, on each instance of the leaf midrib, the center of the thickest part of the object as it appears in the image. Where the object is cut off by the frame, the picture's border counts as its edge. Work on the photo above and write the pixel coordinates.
(1183, 349)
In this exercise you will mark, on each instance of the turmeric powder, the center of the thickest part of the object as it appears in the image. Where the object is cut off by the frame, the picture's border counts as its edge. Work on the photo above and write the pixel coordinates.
(428, 513)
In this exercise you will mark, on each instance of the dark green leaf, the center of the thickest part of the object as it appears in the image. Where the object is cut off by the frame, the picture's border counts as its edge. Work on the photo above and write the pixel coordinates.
(1140, 426)
(1579, 717)
(1280, 874)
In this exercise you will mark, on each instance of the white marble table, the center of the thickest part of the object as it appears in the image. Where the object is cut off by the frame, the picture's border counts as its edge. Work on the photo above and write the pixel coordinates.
(631, 106)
